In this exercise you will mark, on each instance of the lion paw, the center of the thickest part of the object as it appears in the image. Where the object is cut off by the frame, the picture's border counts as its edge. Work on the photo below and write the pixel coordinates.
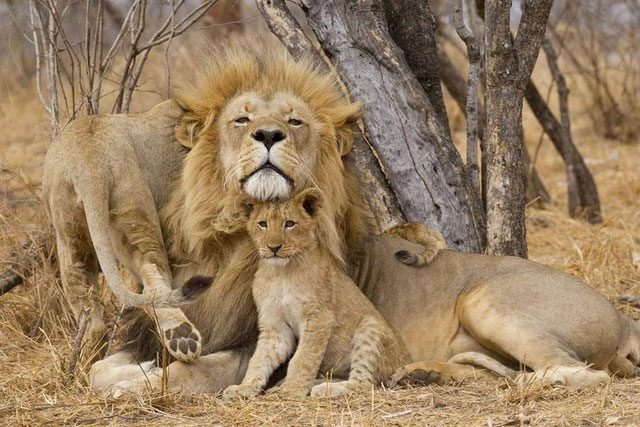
(330, 389)
(240, 391)
(408, 376)
(183, 342)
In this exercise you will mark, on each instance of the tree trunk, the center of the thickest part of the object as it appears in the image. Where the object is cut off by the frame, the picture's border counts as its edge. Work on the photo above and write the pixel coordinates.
(508, 66)
(582, 190)
(456, 85)
(423, 167)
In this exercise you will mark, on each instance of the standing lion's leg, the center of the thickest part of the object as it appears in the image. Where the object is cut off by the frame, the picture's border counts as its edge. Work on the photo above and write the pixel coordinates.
(79, 273)
(119, 374)
(137, 238)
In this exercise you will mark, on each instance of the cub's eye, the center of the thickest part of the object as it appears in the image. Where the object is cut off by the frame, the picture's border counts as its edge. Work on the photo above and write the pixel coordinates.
(241, 120)
(289, 224)
(262, 224)
(295, 122)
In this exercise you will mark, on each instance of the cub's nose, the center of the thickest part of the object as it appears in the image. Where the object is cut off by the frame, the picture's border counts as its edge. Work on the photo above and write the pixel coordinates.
(274, 249)
(268, 137)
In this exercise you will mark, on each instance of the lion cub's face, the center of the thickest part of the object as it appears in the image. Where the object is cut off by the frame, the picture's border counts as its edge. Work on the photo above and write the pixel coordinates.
(282, 230)
(269, 144)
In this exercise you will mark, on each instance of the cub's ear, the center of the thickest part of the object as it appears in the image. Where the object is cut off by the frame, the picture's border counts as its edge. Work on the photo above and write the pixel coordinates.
(311, 201)
(343, 120)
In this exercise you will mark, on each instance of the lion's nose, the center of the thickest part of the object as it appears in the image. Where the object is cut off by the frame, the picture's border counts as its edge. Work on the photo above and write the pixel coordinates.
(274, 249)
(268, 137)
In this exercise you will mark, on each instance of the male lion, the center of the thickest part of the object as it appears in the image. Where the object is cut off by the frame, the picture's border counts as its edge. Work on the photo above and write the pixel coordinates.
(304, 295)
(268, 126)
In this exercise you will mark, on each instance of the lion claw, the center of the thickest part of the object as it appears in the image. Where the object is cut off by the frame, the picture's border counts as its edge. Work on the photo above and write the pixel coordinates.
(414, 377)
(240, 391)
(183, 342)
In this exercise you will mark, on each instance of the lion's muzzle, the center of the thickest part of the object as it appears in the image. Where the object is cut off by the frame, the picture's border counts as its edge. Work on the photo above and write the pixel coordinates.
(268, 182)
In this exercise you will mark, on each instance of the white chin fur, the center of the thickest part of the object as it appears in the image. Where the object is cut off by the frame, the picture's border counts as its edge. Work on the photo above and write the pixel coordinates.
(267, 185)
(280, 262)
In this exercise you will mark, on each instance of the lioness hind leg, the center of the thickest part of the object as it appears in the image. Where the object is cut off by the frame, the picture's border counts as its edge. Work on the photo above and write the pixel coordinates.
(138, 240)
(528, 343)
(79, 273)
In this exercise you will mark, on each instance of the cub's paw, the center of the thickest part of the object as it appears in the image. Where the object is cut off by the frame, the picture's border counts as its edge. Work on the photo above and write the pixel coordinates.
(414, 376)
(288, 391)
(330, 389)
(240, 391)
(183, 342)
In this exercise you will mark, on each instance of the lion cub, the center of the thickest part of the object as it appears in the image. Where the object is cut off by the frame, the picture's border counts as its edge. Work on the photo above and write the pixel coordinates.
(304, 296)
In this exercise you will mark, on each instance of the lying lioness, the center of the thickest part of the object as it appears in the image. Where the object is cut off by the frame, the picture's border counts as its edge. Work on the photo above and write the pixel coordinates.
(303, 295)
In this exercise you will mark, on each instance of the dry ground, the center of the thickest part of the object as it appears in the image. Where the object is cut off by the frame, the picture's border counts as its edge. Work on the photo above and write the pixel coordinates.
(36, 334)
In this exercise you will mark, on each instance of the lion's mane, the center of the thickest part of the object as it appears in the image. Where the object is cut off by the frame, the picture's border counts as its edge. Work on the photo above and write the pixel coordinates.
(196, 219)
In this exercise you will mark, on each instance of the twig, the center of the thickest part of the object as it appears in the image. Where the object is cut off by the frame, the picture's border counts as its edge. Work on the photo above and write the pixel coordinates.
(182, 26)
(558, 77)
(166, 51)
(83, 322)
(471, 107)
(112, 335)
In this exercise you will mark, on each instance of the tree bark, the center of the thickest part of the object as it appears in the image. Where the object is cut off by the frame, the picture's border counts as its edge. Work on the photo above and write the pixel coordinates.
(508, 66)
(412, 27)
(424, 169)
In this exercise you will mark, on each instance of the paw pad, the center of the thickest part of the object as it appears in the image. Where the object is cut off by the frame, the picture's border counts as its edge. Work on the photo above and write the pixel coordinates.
(183, 342)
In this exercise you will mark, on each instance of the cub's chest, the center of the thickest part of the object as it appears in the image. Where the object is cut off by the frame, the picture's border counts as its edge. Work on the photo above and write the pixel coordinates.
(283, 300)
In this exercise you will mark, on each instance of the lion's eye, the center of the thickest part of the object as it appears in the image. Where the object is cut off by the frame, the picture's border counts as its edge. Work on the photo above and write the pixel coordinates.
(262, 224)
(241, 120)
(295, 122)
(289, 224)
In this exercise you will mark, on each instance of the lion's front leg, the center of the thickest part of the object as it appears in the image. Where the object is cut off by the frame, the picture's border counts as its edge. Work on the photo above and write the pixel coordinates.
(305, 363)
(275, 344)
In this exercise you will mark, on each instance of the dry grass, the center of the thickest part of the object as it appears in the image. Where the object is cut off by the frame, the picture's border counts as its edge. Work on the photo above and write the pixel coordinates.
(36, 333)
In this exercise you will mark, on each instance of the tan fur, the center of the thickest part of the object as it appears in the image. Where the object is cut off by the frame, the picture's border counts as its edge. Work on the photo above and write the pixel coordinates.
(513, 311)
(419, 233)
(103, 178)
(303, 295)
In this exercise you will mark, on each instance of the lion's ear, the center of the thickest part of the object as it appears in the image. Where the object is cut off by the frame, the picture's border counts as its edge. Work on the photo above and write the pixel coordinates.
(191, 125)
(247, 208)
(310, 200)
(344, 118)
